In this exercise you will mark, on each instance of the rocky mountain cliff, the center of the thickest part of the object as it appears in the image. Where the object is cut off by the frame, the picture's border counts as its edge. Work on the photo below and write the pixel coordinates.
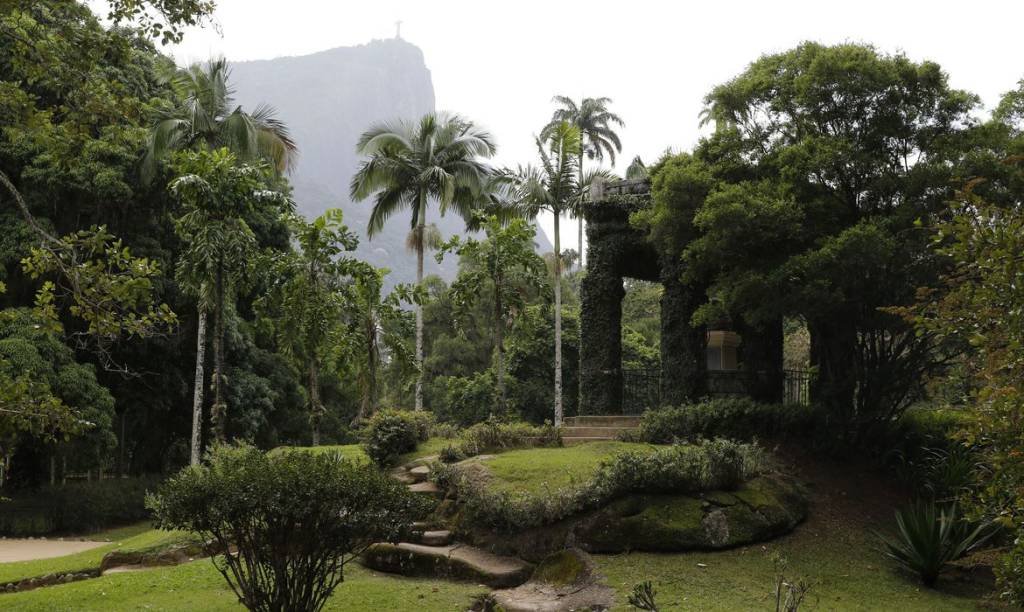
(328, 99)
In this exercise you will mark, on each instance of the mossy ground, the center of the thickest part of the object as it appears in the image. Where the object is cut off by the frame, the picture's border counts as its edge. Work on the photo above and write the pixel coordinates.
(560, 569)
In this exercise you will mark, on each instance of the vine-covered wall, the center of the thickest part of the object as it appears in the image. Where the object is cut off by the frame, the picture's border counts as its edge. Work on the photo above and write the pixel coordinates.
(616, 250)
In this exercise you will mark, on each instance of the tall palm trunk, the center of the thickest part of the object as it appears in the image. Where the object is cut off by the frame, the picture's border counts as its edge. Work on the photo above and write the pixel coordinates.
(421, 229)
(197, 394)
(316, 409)
(218, 411)
(579, 341)
(558, 325)
(499, 341)
(369, 391)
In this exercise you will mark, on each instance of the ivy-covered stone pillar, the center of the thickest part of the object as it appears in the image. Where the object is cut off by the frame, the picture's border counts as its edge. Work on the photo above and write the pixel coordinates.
(615, 250)
(601, 296)
(684, 375)
(762, 357)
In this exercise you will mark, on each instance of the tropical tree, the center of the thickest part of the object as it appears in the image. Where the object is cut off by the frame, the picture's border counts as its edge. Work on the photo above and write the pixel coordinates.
(216, 194)
(308, 297)
(436, 159)
(207, 115)
(826, 167)
(506, 261)
(552, 187)
(378, 327)
(598, 138)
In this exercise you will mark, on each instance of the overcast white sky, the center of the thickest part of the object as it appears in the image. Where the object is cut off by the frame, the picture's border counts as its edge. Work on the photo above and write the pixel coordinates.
(500, 63)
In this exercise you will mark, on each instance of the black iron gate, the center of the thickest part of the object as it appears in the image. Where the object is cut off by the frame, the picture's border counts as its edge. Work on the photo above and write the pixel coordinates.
(641, 390)
(797, 387)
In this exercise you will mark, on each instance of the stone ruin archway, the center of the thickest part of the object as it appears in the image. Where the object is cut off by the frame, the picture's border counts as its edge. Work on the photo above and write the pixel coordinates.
(616, 250)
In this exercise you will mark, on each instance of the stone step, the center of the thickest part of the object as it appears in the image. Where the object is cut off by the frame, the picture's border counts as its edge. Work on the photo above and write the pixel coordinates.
(581, 440)
(426, 488)
(419, 473)
(403, 476)
(609, 433)
(439, 537)
(613, 420)
(451, 561)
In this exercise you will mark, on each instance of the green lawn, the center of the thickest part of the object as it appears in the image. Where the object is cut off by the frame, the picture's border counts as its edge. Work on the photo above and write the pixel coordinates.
(432, 446)
(198, 586)
(846, 573)
(535, 470)
(133, 538)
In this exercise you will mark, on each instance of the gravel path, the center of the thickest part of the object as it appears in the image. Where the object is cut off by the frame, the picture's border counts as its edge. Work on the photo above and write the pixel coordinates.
(28, 550)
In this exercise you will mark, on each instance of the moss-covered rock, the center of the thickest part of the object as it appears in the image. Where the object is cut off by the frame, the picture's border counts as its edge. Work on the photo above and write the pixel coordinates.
(761, 509)
(561, 568)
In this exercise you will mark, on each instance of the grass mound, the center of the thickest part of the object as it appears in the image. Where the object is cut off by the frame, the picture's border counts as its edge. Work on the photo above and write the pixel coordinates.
(530, 488)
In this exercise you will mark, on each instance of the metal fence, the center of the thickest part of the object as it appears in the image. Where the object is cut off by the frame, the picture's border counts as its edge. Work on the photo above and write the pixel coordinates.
(796, 387)
(641, 390)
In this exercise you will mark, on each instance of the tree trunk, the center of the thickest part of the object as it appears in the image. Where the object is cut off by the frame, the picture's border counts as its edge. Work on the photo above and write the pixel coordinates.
(197, 394)
(579, 332)
(558, 326)
(315, 407)
(219, 410)
(579, 229)
(419, 313)
(833, 347)
(499, 341)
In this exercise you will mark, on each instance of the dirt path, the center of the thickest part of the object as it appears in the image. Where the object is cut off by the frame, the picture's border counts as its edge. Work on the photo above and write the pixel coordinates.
(29, 550)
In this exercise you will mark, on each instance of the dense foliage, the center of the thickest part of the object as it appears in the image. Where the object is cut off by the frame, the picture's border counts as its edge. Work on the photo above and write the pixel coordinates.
(76, 507)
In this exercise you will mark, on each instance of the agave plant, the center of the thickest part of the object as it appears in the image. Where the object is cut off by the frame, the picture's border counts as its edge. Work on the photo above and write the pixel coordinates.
(929, 536)
(642, 597)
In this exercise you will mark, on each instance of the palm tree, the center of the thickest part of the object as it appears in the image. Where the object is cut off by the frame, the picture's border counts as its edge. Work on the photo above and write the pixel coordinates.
(207, 116)
(438, 158)
(552, 187)
(594, 121)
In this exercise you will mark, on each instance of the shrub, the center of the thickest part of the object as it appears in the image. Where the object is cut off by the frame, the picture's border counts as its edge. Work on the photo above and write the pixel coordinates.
(683, 468)
(494, 435)
(78, 507)
(296, 519)
(736, 418)
(391, 433)
(929, 536)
